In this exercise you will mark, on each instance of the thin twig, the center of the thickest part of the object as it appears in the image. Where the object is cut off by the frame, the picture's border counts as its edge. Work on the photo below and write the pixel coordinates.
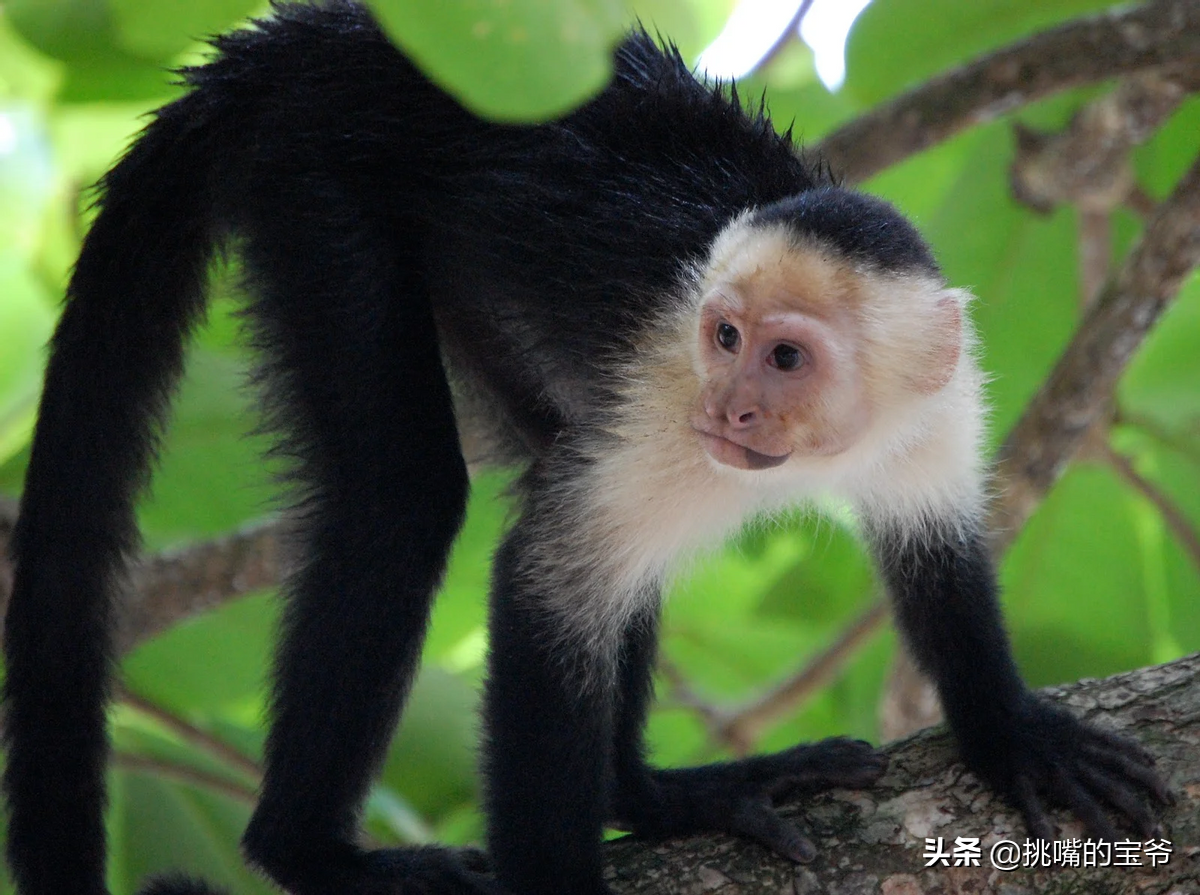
(741, 728)
(194, 736)
(681, 694)
(1179, 442)
(184, 774)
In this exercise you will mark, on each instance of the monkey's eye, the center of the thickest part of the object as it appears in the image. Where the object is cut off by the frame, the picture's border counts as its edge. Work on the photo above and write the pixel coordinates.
(728, 336)
(786, 357)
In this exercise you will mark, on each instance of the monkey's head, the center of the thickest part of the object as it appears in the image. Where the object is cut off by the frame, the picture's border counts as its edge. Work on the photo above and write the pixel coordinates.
(819, 319)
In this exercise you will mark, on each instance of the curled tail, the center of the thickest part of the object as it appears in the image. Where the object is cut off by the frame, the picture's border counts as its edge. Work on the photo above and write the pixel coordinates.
(136, 292)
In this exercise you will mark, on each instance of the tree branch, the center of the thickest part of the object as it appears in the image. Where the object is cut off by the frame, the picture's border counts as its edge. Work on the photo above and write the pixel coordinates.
(1159, 34)
(1077, 393)
(176, 584)
(873, 841)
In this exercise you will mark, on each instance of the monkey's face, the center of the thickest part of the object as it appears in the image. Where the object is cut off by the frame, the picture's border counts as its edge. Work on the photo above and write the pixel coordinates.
(778, 381)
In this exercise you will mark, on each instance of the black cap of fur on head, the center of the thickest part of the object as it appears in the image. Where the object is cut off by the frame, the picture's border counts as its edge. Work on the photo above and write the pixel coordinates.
(861, 227)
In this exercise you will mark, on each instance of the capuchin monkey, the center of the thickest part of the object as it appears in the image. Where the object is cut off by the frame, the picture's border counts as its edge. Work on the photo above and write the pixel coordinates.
(655, 306)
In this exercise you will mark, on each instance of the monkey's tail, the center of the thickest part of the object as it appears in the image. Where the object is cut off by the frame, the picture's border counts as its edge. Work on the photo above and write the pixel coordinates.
(115, 359)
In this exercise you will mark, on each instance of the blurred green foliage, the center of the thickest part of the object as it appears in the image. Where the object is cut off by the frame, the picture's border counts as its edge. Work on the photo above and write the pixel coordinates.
(1095, 584)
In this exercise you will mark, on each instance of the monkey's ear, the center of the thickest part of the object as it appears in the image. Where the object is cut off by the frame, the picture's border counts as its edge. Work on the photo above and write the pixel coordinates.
(943, 344)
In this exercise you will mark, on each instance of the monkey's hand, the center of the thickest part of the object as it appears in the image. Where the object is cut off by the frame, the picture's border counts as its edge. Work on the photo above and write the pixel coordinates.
(739, 796)
(1048, 753)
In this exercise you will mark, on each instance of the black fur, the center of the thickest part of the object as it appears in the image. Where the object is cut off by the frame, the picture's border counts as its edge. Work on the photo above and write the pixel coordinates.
(944, 592)
(857, 226)
(373, 213)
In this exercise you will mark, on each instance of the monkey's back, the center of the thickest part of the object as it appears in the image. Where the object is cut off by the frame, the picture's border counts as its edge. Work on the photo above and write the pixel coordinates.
(582, 225)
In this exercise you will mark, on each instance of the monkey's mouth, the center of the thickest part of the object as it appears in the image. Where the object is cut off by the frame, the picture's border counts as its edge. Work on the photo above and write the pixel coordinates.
(730, 453)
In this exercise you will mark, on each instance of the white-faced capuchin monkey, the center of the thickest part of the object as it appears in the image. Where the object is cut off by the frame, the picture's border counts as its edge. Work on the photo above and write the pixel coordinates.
(656, 306)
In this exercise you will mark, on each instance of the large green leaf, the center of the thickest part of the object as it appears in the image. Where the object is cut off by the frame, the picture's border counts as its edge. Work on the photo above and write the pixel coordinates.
(210, 662)
(1076, 590)
(82, 33)
(516, 60)
(432, 762)
(161, 825)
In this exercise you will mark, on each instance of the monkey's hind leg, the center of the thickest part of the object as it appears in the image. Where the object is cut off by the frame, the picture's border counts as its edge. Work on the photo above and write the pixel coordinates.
(356, 382)
(735, 797)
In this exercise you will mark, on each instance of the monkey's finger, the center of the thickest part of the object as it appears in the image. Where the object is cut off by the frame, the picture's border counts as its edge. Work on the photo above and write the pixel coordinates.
(1121, 744)
(1119, 762)
(757, 820)
(1036, 819)
(1084, 805)
(853, 764)
(1121, 796)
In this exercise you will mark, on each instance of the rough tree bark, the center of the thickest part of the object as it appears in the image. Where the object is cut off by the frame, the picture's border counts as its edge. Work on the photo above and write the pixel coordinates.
(873, 841)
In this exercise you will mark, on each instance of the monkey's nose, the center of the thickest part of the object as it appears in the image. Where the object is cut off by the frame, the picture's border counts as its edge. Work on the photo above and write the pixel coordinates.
(743, 419)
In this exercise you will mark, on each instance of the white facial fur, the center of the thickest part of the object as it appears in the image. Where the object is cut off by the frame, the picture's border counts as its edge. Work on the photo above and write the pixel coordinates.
(652, 494)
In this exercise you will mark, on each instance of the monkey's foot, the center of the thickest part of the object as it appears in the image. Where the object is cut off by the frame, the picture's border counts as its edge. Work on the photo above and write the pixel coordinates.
(1051, 754)
(739, 797)
(342, 868)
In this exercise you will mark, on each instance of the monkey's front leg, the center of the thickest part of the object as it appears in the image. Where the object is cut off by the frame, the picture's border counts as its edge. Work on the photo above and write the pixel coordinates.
(944, 591)
(735, 797)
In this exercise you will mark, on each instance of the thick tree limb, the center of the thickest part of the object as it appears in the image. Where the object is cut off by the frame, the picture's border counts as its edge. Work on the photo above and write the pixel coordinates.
(1163, 33)
(872, 841)
(171, 586)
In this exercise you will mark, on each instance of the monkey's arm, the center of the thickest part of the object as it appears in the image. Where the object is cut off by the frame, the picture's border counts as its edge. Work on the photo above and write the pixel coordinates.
(735, 796)
(944, 590)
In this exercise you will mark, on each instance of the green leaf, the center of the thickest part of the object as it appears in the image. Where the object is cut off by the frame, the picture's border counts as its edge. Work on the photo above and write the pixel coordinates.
(64, 29)
(115, 76)
(1173, 587)
(164, 28)
(212, 475)
(432, 761)
(82, 34)
(210, 662)
(169, 826)
(26, 321)
(832, 577)
(24, 72)
(513, 60)
(1161, 162)
(1076, 590)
